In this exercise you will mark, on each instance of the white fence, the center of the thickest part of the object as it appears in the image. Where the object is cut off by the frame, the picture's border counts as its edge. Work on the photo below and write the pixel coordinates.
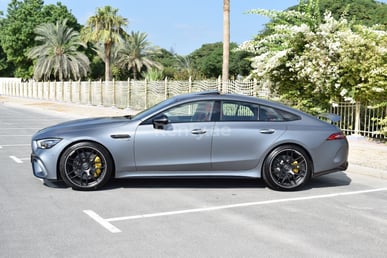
(123, 94)
(366, 123)
(139, 95)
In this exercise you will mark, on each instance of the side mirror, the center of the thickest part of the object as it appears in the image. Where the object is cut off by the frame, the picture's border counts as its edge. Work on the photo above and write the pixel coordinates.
(160, 121)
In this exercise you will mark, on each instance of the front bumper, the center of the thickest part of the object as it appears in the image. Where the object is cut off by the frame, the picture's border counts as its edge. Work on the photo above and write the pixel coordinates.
(38, 167)
(44, 165)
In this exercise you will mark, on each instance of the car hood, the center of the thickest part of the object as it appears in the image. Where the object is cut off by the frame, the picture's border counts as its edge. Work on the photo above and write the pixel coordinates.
(86, 124)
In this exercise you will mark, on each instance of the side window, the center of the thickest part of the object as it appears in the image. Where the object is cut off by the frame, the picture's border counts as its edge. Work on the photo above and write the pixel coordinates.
(200, 111)
(239, 111)
(272, 114)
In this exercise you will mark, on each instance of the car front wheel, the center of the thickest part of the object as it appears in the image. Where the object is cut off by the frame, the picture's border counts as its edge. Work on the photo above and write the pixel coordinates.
(287, 167)
(86, 166)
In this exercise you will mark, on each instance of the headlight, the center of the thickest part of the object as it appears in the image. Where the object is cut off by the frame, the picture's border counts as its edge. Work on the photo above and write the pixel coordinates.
(47, 143)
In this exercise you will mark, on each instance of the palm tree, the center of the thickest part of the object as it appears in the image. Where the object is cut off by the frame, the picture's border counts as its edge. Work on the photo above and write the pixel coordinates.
(185, 66)
(137, 52)
(226, 39)
(58, 53)
(105, 27)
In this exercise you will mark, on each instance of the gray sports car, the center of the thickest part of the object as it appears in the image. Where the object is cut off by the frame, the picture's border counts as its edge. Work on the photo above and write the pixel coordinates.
(193, 135)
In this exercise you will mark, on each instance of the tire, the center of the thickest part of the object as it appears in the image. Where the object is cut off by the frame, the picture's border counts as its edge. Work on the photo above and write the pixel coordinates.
(287, 168)
(86, 166)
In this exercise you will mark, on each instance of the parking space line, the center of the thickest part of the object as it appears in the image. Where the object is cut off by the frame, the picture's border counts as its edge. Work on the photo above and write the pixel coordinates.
(242, 205)
(13, 145)
(15, 135)
(106, 222)
(19, 128)
(18, 160)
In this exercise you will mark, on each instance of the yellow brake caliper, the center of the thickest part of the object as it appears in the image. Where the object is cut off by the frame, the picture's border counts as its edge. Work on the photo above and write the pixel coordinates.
(296, 167)
(97, 166)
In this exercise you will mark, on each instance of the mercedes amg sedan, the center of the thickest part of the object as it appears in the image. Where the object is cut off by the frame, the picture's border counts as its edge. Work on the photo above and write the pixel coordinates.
(205, 134)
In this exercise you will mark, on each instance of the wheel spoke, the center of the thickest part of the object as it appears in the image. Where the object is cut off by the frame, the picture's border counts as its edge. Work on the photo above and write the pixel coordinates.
(84, 179)
(81, 169)
(288, 168)
(86, 166)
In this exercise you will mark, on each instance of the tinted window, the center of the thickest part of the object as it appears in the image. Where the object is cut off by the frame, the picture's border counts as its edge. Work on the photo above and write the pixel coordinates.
(267, 113)
(239, 111)
(199, 111)
(152, 109)
(243, 111)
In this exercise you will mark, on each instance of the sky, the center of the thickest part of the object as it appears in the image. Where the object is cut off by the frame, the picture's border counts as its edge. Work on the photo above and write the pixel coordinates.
(180, 26)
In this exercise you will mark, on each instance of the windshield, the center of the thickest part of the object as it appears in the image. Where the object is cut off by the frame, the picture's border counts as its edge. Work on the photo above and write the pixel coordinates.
(151, 110)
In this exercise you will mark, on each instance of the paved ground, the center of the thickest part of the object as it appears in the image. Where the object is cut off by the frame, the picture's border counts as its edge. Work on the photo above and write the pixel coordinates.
(365, 157)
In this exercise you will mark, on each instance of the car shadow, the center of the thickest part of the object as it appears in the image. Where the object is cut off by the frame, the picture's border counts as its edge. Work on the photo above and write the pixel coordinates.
(211, 182)
(330, 180)
(326, 181)
(55, 184)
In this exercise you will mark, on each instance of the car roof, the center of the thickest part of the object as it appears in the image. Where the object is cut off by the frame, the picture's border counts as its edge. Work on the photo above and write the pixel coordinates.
(214, 94)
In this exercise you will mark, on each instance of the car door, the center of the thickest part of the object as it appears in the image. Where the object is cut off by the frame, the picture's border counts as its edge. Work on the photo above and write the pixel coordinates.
(241, 138)
(178, 139)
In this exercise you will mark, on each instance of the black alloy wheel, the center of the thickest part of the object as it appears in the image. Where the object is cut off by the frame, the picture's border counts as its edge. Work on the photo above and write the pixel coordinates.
(86, 166)
(287, 167)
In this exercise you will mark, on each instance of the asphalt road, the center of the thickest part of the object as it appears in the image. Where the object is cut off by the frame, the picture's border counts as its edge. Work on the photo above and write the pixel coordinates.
(337, 215)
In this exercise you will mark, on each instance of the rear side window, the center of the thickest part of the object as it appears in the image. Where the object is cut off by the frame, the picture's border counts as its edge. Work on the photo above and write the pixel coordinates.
(245, 111)
(239, 111)
(267, 113)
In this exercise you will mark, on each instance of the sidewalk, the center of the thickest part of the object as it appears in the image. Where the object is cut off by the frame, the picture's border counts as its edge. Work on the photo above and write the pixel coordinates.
(65, 108)
(365, 157)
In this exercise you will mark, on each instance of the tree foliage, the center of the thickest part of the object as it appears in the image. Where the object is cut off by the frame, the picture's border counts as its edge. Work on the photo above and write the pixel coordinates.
(17, 30)
(59, 12)
(363, 12)
(58, 52)
(17, 37)
(168, 61)
(313, 65)
(105, 27)
(136, 53)
(208, 60)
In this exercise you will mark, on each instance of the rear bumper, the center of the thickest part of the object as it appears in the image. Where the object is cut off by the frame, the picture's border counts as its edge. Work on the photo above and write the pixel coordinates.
(342, 167)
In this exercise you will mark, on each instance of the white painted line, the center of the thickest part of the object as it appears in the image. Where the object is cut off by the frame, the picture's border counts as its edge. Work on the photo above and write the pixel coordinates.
(169, 213)
(17, 160)
(102, 221)
(14, 145)
(19, 128)
(106, 222)
(15, 135)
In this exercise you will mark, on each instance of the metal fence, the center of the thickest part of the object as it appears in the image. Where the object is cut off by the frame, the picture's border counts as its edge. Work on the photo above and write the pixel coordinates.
(360, 119)
(139, 95)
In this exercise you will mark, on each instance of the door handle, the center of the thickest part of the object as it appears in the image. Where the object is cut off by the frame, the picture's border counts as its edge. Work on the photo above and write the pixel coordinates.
(120, 136)
(267, 131)
(198, 131)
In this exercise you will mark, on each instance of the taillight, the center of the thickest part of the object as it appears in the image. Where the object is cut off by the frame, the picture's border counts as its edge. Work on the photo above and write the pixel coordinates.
(336, 136)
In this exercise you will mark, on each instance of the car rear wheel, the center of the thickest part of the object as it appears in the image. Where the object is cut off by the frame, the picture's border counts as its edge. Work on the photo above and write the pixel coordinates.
(86, 166)
(287, 167)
